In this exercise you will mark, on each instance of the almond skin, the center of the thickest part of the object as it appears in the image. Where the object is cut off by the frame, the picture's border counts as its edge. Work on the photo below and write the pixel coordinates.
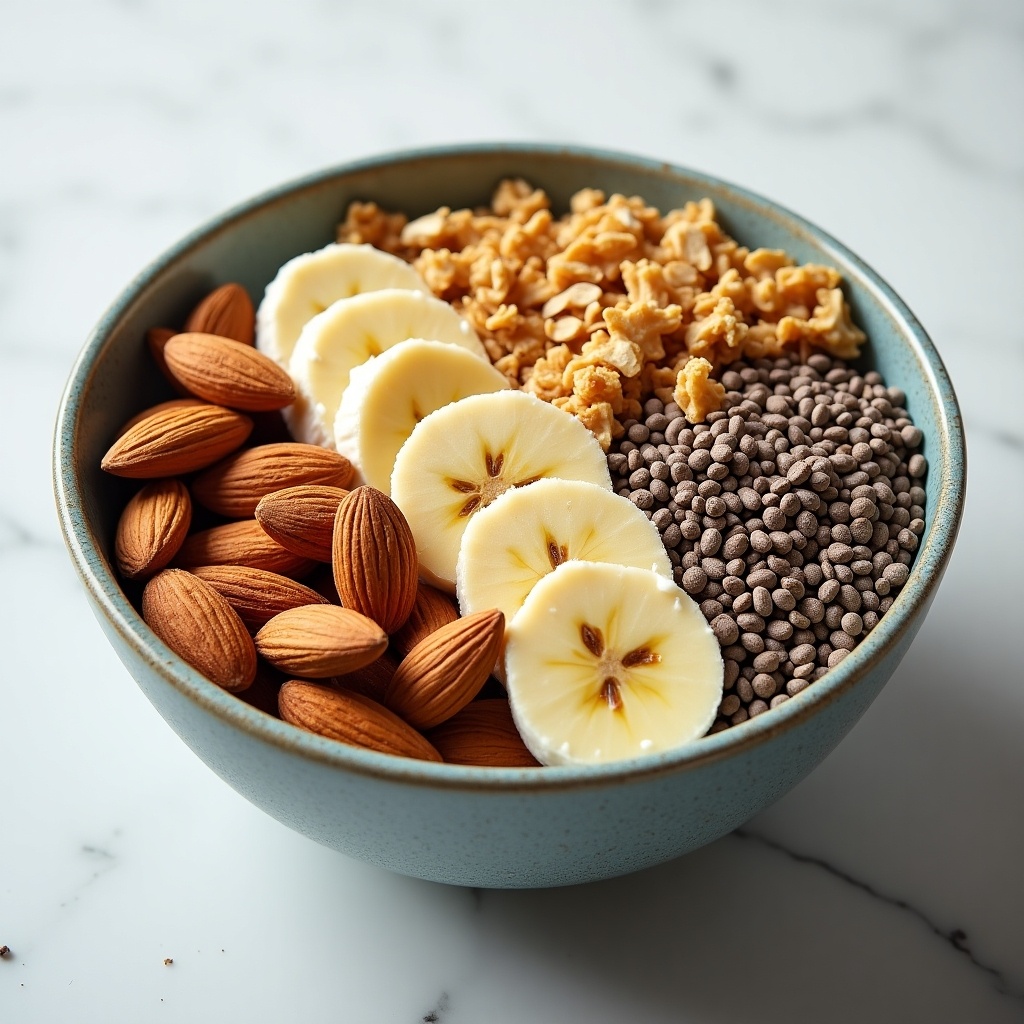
(200, 627)
(351, 718)
(257, 595)
(320, 640)
(376, 569)
(228, 372)
(235, 486)
(174, 439)
(432, 610)
(302, 518)
(242, 543)
(447, 669)
(483, 733)
(227, 312)
(152, 528)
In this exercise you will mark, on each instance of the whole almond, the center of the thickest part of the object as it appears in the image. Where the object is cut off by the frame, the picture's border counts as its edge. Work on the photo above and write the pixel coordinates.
(483, 733)
(227, 311)
(152, 527)
(351, 718)
(228, 372)
(302, 518)
(257, 595)
(235, 486)
(174, 439)
(320, 640)
(200, 627)
(156, 341)
(446, 670)
(242, 543)
(432, 610)
(374, 557)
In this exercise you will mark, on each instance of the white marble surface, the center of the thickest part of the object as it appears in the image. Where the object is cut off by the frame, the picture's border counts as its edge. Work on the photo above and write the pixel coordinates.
(886, 887)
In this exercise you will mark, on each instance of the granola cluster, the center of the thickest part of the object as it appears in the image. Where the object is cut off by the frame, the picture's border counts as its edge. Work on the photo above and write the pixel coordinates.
(600, 309)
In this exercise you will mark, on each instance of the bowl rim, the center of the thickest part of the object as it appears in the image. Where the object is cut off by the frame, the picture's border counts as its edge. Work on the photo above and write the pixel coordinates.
(100, 581)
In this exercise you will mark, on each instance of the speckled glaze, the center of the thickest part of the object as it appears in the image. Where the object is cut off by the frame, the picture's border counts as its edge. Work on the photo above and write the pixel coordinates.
(474, 826)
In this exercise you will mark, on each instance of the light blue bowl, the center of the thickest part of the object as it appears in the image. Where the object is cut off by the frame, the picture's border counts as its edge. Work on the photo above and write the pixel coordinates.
(497, 827)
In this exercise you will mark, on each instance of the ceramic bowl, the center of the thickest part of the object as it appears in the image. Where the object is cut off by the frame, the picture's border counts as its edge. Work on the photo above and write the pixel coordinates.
(484, 826)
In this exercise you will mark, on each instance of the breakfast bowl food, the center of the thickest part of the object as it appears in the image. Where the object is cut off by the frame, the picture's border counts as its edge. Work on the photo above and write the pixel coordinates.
(779, 709)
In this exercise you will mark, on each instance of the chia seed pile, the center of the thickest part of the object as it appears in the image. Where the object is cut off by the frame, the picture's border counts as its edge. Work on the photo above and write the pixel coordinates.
(791, 516)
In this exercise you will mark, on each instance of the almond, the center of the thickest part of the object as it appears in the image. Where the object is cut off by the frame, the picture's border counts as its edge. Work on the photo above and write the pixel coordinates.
(351, 718)
(446, 670)
(152, 527)
(483, 733)
(375, 565)
(372, 680)
(156, 341)
(227, 312)
(174, 439)
(302, 518)
(228, 372)
(320, 640)
(242, 543)
(234, 487)
(432, 610)
(200, 627)
(257, 595)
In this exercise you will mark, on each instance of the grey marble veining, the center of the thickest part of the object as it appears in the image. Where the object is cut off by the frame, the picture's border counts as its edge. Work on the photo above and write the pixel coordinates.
(956, 937)
(886, 887)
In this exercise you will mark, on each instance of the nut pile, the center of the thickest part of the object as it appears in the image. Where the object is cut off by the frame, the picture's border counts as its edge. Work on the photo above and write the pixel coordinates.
(792, 515)
(395, 669)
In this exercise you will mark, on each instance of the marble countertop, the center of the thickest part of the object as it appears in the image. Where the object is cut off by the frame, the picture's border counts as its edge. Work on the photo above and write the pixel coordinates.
(886, 887)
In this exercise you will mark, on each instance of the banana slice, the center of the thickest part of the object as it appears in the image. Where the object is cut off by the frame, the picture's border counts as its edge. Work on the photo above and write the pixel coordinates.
(529, 531)
(308, 284)
(462, 457)
(351, 331)
(606, 662)
(389, 394)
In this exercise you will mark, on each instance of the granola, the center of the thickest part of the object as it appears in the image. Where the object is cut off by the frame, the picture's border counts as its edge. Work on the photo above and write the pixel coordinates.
(600, 309)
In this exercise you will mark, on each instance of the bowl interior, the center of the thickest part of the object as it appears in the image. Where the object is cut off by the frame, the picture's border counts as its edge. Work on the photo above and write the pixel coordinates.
(114, 378)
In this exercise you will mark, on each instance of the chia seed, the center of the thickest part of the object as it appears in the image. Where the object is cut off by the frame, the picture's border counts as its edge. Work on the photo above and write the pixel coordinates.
(791, 516)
